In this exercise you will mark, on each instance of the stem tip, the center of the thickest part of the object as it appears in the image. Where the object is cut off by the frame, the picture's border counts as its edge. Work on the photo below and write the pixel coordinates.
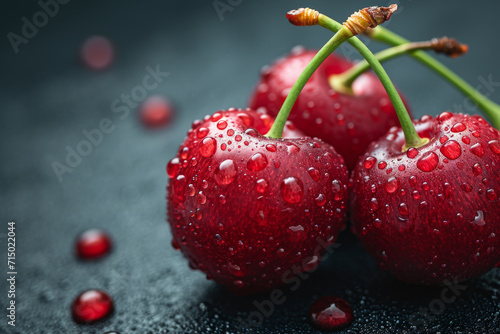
(303, 17)
(369, 17)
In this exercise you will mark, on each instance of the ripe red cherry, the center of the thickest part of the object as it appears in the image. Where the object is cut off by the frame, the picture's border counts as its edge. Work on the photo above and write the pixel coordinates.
(91, 306)
(348, 122)
(431, 214)
(245, 208)
(93, 244)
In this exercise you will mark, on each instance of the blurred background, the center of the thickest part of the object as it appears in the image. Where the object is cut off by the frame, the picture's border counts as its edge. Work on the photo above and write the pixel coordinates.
(49, 97)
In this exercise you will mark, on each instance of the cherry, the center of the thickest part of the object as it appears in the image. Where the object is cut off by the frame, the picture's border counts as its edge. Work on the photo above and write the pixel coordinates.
(91, 306)
(93, 244)
(156, 112)
(97, 52)
(245, 208)
(249, 208)
(430, 214)
(349, 122)
(330, 313)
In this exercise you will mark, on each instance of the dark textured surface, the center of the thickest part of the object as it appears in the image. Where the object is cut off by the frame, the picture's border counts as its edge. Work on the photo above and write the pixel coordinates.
(47, 99)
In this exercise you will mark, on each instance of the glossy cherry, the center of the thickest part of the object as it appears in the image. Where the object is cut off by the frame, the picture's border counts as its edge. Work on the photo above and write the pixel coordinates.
(432, 213)
(245, 208)
(348, 122)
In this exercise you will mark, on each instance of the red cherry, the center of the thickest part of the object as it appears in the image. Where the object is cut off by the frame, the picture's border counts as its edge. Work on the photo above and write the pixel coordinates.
(97, 52)
(330, 313)
(441, 212)
(91, 306)
(156, 112)
(253, 207)
(348, 122)
(93, 244)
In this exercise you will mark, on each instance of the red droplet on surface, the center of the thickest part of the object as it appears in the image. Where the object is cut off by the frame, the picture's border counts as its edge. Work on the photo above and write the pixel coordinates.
(459, 127)
(494, 146)
(257, 162)
(173, 167)
(451, 149)
(156, 112)
(428, 162)
(330, 313)
(91, 306)
(392, 185)
(226, 172)
(477, 149)
(208, 147)
(97, 52)
(93, 244)
(369, 162)
(412, 153)
(292, 190)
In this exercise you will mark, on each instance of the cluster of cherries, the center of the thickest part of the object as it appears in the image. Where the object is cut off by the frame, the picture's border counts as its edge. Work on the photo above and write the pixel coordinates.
(250, 197)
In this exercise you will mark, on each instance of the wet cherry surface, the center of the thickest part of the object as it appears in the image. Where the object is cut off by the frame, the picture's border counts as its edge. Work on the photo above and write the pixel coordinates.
(93, 244)
(348, 122)
(244, 208)
(330, 313)
(91, 306)
(438, 221)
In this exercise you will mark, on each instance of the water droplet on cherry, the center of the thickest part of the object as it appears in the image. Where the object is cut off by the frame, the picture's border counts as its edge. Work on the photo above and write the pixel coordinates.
(91, 306)
(208, 146)
(226, 172)
(428, 162)
(451, 149)
(292, 190)
(257, 162)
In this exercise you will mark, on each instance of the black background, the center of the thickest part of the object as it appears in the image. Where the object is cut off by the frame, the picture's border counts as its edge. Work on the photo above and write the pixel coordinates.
(47, 98)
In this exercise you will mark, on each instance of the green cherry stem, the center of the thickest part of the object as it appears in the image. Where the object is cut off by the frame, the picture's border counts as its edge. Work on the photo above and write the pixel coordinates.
(343, 82)
(381, 34)
(340, 37)
(357, 23)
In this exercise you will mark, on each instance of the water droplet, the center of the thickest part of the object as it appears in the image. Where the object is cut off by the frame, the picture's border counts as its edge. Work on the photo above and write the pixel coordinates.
(292, 148)
(201, 198)
(156, 112)
(330, 313)
(382, 164)
(239, 284)
(296, 233)
(97, 52)
(216, 116)
(314, 173)
(337, 190)
(445, 116)
(222, 199)
(392, 185)
(292, 190)
(91, 306)
(451, 150)
(320, 200)
(401, 168)
(466, 187)
(93, 244)
(477, 149)
(257, 162)
(477, 169)
(247, 120)
(479, 219)
(443, 139)
(261, 186)
(271, 148)
(191, 190)
(238, 138)
(223, 146)
(459, 127)
(184, 153)
(374, 203)
(226, 172)
(369, 162)
(494, 146)
(221, 125)
(235, 270)
(415, 194)
(173, 167)
(208, 146)
(230, 132)
(491, 194)
(428, 162)
(466, 140)
(202, 132)
(403, 209)
(413, 181)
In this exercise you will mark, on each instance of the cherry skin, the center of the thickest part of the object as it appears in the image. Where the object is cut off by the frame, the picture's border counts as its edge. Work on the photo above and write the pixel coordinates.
(248, 210)
(348, 122)
(431, 214)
